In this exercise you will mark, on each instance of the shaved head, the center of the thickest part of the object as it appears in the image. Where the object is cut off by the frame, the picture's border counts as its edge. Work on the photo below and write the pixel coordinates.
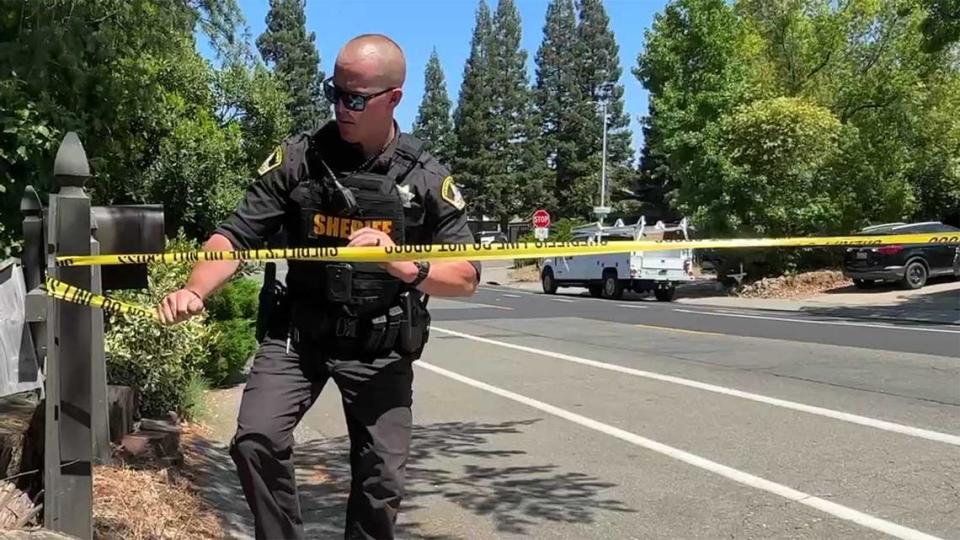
(370, 68)
(375, 59)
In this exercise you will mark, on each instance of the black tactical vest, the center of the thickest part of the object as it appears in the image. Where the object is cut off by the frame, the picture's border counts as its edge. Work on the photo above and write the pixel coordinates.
(333, 295)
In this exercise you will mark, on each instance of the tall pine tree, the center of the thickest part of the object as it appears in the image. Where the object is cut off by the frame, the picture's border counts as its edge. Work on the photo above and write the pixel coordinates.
(515, 183)
(434, 125)
(598, 79)
(577, 69)
(474, 161)
(290, 49)
(558, 99)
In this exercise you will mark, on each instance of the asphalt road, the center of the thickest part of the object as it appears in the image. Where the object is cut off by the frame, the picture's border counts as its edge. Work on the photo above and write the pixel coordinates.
(563, 417)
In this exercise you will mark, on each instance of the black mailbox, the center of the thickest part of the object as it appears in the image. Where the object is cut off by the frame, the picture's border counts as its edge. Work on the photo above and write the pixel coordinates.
(123, 229)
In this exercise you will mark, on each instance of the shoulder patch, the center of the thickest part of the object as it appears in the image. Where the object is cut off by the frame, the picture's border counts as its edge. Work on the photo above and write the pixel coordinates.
(272, 162)
(450, 193)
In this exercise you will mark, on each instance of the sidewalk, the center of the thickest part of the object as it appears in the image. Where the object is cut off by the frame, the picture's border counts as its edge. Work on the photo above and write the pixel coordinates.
(215, 474)
(938, 303)
(322, 492)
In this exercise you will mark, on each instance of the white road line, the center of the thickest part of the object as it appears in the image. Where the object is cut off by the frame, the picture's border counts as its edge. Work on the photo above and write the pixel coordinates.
(633, 306)
(567, 300)
(470, 305)
(740, 312)
(511, 295)
(820, 411)
(837, 323)
(741, 477)
(501, 289)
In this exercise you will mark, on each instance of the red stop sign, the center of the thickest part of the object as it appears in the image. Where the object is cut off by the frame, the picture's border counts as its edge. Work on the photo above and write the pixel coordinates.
(541, 219)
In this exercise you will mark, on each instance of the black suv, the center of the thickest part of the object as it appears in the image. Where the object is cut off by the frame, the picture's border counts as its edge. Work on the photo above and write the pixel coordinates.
(910, 265)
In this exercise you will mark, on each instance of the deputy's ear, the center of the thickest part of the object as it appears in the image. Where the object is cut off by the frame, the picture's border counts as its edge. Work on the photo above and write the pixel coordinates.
(396, 96)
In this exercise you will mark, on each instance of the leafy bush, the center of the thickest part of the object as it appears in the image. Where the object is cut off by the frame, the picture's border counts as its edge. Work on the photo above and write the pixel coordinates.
(233, 310)
(229, 351)
(238, 299)
(160, 361)
(168, 364)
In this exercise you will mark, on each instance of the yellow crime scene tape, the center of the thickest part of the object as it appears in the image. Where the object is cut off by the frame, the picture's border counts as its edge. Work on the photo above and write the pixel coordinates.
(436, 252)
(66, 292)
(507, 250)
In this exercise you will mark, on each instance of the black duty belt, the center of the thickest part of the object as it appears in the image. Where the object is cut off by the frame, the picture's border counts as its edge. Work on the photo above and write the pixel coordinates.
(344, 335)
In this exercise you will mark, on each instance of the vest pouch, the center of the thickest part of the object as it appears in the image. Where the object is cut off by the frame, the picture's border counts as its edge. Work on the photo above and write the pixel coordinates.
(373, 292)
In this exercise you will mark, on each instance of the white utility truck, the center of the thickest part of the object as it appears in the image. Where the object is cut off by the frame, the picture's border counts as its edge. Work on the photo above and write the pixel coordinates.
(607, 276)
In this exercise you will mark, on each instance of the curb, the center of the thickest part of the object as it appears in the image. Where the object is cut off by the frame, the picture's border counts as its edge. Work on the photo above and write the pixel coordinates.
(774, 310)
(856, 317)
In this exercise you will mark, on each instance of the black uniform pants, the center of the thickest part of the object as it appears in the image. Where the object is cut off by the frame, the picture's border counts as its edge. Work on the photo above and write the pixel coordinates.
(281, 387)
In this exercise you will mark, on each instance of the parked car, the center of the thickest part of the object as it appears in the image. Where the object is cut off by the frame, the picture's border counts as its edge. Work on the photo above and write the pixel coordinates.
(910, 265)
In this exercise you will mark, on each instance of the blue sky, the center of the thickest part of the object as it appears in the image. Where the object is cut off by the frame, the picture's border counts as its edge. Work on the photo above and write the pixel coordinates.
(420, 25)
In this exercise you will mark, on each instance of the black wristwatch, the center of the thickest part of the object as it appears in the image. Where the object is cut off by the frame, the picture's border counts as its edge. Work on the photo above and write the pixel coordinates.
(423, 268)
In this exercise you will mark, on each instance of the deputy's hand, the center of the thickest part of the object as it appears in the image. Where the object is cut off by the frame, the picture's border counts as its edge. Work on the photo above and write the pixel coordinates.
(370, 237)
(179, 306)
(367, 237)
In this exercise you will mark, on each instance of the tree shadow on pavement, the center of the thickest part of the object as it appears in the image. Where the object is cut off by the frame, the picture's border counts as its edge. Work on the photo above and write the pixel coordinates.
(457, 461)
(444, 463)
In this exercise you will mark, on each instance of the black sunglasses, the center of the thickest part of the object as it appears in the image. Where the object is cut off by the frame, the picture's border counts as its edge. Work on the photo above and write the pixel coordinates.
(352, 100)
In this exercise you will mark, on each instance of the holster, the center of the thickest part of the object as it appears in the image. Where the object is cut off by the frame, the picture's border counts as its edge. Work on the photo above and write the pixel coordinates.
(415, 330)
(271, 302)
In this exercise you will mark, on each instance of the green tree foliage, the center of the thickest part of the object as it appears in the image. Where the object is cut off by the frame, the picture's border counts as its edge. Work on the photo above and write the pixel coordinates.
(598, 78)
(775, 153)
(290, 49)
(250, 97)
(578, 69)
(159, 123)
(557, 96)
(515, 180)
(473, 161)
(941, 27)
(434, 125)
(691, 69)
(840, 101)
(499, 158)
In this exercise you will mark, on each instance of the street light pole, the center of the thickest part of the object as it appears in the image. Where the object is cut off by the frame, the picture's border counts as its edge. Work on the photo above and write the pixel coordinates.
(603, 163)
(603, 94)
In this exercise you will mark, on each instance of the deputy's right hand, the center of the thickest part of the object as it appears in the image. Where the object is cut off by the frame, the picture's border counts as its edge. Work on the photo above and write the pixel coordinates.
(179, 306)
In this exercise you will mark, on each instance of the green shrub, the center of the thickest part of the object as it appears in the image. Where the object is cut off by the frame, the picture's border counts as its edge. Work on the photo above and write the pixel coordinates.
(194, 398)
(170, 365)
(157, 360)
(238, 299)
(160, 361)
(229, 351)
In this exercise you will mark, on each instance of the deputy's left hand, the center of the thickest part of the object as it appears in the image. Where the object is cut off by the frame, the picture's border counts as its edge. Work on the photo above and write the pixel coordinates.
(368, 237)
